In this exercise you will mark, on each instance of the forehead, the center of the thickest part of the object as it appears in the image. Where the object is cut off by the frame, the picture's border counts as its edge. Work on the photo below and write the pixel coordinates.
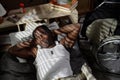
(40, 31)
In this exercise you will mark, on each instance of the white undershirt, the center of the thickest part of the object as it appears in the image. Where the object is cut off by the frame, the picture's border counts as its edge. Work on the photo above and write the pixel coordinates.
(53, 63)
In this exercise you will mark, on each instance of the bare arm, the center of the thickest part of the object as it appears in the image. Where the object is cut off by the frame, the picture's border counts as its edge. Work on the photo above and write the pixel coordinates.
(23, 50)
(72, 32)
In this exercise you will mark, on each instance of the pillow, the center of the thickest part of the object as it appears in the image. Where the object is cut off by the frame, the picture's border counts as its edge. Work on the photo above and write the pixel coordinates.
(17, 37)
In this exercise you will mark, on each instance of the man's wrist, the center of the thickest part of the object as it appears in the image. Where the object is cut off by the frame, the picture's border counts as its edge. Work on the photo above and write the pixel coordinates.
(19, 45)
(57, 31)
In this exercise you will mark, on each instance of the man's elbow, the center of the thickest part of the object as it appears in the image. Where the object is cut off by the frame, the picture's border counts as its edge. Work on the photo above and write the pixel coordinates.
(12, 50)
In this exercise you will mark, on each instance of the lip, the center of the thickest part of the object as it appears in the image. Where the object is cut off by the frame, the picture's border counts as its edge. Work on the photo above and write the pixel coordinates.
(43, 44)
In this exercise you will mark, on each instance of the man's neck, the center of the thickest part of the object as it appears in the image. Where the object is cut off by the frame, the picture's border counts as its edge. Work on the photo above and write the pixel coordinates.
(51, 46)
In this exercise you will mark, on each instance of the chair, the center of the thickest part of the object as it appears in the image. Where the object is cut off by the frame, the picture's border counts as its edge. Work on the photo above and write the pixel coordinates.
(96, 32)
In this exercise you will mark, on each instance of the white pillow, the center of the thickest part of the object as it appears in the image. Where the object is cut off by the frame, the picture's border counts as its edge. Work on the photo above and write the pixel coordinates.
(17, 37)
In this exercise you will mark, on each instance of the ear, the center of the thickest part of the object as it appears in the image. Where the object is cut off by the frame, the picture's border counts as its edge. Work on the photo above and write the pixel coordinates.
(54, 36)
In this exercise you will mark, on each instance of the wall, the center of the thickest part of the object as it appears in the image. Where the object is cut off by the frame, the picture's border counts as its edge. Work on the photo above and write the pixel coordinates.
(14, 4)
(85, 6)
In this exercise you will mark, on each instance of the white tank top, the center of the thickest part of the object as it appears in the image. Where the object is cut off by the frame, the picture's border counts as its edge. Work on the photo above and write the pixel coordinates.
(53, 63)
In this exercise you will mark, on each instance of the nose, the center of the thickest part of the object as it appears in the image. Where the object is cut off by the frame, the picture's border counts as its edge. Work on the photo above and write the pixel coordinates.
(41, 38)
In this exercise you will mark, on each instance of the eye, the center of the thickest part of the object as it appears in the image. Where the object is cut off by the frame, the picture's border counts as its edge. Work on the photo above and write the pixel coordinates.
(44, 32)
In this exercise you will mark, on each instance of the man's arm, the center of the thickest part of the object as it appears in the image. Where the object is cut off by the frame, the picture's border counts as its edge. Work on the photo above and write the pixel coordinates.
(72, 32)
(22, 50)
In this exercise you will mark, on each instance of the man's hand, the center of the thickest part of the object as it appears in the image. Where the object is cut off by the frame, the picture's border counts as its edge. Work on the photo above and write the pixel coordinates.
(72, 32)
(24, 44)
(56, 31)
(34, 51)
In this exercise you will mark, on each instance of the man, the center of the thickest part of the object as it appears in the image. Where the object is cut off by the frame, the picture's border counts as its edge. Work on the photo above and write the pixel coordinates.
(51, 57)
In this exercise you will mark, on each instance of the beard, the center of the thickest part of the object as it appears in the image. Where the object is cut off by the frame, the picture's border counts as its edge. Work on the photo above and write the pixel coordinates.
(43, 44)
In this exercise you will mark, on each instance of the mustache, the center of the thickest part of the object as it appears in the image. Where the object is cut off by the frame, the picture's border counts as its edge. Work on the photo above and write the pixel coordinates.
(47, 42)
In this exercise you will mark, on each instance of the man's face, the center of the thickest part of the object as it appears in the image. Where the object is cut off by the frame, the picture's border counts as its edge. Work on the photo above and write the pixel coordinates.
(42, 38)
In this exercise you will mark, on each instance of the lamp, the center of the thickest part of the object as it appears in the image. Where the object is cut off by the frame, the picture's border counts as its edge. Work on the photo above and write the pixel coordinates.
(2, 12)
